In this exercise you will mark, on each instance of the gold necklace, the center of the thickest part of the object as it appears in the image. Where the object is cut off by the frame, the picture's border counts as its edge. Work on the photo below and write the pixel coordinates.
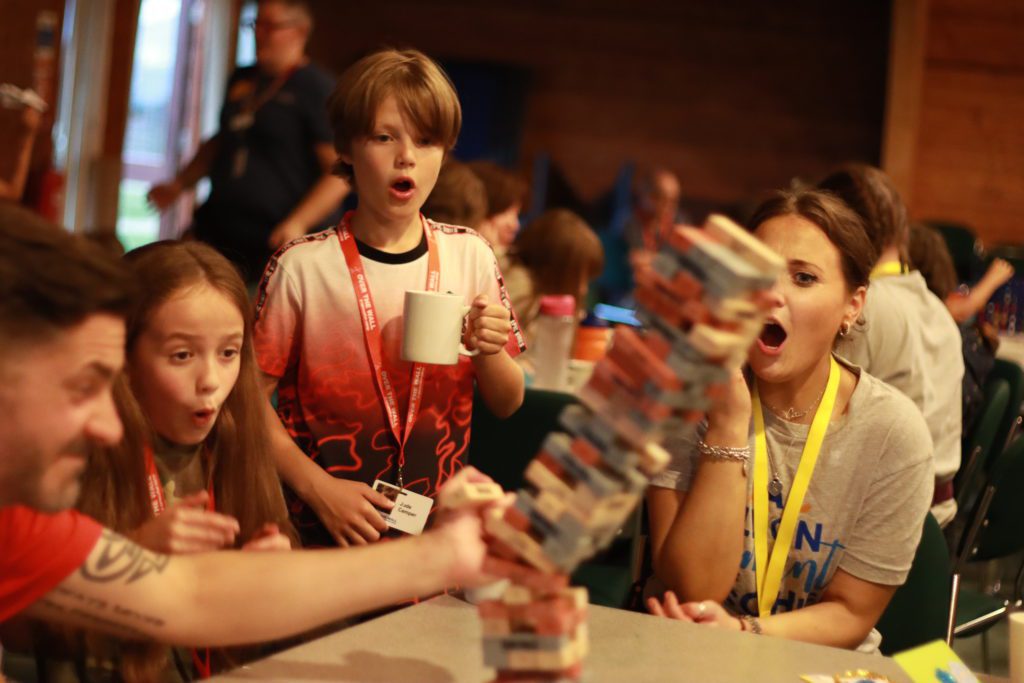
(792, 413)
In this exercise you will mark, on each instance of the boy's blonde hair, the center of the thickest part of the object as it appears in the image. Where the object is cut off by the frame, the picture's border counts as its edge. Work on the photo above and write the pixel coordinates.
(425, 96)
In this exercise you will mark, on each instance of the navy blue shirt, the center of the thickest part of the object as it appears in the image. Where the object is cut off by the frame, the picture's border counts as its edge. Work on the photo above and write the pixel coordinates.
(263, 169)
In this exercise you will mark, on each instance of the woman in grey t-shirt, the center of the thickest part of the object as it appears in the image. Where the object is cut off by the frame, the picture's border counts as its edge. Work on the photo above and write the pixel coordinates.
(857, 527)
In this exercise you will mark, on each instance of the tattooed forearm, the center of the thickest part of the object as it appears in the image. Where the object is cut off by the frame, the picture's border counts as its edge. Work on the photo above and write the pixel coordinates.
(118, 559)
(69, 606)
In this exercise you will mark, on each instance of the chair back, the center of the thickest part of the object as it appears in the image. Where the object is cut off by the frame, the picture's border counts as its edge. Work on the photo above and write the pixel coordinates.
(1013, 374)
(918, 610)
(981, 444)
(502, 449)
(1002, 532)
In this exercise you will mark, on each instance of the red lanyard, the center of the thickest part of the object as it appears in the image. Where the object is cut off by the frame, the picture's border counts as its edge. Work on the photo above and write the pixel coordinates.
(159, 503)
(372, 337)
(156, 488)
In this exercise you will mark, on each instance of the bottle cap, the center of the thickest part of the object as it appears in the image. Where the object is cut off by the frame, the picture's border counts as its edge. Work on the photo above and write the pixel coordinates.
(558, 304)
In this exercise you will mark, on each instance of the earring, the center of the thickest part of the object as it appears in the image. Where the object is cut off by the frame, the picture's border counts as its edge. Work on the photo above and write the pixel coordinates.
(844, 329)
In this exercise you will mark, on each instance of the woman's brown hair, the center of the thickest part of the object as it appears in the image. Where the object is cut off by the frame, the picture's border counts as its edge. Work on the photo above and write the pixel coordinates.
(560, 251)
(240, 465)
(869, 191)
(843, 227)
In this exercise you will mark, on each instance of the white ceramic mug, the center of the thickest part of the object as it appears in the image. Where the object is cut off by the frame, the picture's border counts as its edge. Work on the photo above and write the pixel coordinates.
(432, 328)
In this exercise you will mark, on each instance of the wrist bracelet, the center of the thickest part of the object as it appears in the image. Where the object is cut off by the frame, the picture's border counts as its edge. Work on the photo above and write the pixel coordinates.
(752, 624)
(741, 454)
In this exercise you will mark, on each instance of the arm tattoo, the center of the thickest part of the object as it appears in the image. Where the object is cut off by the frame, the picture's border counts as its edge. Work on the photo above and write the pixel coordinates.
(118, 559)
(68, 606)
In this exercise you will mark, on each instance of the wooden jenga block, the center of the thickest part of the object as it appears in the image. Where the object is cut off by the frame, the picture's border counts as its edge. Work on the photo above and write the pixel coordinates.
(744, 244)
(527, 548)
(470, 494)
(632, 352)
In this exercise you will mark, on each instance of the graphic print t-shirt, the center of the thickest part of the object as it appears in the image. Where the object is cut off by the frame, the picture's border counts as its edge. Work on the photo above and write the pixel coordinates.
(863, 511)
(310, 335)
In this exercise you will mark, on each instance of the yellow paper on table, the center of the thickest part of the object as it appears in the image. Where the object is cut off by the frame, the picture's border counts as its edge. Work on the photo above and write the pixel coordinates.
(934, 662)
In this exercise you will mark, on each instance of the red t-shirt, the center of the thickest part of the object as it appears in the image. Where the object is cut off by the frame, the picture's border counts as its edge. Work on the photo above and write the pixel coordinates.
(38, 551)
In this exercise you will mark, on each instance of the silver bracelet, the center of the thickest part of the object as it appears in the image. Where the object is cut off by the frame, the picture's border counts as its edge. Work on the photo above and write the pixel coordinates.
(741, 454)
(752, 624)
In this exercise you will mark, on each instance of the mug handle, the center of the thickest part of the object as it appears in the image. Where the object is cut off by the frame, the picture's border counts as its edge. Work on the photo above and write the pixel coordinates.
(463, 351)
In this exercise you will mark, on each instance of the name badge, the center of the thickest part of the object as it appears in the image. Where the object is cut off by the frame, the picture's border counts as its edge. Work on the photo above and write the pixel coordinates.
(411, 509)
(243, 120)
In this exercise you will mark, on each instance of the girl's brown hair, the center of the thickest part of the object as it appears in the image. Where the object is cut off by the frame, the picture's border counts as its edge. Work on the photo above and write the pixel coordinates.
(841, 225)
(424, 93)
(869, 191)
(930, 255)
(240, 465)
(560, 251)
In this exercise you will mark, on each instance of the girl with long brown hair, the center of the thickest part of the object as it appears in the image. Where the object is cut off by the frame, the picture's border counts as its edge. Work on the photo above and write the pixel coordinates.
(193, 472)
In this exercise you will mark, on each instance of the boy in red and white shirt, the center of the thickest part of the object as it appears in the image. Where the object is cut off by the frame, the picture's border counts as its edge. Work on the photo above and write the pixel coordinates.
(343, 390)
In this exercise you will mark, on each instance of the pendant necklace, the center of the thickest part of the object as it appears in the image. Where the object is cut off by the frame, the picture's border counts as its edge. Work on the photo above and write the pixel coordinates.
(775, 485)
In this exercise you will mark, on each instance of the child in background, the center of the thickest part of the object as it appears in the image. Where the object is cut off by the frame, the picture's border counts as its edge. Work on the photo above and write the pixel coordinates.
(458, 197)
(506, 193)
(930, 256)
(557, 253)
(334, 355)
(193, 472)
(908, 333)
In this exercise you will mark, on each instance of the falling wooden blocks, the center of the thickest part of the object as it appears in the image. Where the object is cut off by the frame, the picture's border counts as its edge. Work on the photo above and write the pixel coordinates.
(702, 304)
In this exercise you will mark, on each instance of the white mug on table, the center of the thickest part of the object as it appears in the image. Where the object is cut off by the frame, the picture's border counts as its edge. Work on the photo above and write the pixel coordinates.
(432, 328)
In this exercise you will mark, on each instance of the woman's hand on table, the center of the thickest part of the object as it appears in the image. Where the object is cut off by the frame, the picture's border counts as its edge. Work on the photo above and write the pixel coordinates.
(705, 612)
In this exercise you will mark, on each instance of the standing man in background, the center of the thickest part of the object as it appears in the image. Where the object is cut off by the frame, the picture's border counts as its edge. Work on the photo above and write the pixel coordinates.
(270, 162)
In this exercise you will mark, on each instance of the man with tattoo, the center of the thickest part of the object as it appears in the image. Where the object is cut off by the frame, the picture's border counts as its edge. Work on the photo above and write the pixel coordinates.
(62, 338)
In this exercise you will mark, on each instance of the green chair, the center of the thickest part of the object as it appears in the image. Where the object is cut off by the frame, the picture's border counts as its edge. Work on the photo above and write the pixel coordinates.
(502, 449)
(918, 610)
(1013, 374)
(995, 532)
(979, 446)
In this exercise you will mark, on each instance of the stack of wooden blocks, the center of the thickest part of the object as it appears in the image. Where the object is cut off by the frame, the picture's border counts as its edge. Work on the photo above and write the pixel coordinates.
(702, 304)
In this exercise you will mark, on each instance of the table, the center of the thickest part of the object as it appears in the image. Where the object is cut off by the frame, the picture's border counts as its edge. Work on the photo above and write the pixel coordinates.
(438, 641)
(1011, 347)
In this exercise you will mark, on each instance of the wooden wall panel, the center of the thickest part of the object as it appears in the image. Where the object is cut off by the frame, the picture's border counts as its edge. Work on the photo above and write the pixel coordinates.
(970, 152)
(735, 97)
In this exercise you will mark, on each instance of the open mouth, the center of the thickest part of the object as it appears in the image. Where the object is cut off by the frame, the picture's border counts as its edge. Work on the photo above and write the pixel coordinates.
(204, 415)
(403, 187)
(773, 336)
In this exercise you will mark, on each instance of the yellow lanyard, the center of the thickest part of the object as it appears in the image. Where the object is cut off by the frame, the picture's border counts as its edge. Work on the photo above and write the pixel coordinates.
(886, 269)
(768, 571)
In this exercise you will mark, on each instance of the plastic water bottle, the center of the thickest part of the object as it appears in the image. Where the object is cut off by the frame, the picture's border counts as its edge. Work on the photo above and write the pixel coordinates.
(552, 344)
